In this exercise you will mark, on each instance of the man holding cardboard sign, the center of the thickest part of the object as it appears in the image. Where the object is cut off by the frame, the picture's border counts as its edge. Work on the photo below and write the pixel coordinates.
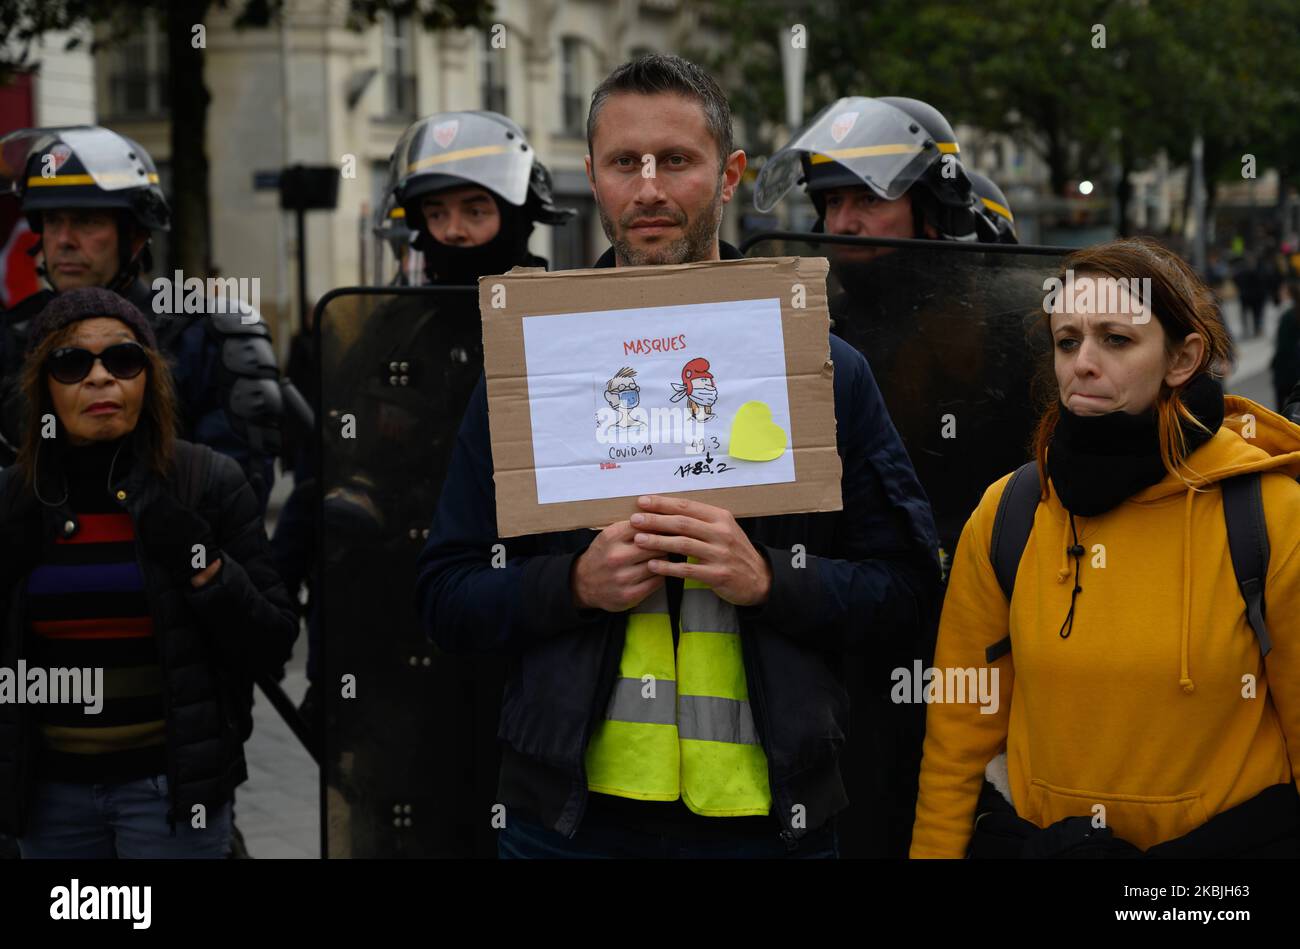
(674, 688)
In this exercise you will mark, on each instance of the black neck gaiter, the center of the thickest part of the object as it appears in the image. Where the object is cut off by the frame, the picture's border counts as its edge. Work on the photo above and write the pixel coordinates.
(1097, 461)
(445, 265)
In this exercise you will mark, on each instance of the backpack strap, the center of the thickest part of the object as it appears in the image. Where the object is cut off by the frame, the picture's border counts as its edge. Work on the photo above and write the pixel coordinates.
(1243, 510)
(1011, 527)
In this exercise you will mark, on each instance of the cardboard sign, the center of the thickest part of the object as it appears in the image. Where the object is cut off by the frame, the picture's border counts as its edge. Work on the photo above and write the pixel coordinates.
(711, 381)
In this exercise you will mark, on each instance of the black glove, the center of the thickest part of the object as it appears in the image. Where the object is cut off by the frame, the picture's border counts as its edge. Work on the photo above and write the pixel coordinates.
(169, 530)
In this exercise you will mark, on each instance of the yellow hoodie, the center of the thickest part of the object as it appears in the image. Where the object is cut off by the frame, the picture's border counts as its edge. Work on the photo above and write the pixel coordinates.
(1143, 708)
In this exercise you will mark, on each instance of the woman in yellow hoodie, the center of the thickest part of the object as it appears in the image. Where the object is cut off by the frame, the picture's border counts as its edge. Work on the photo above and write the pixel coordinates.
(1135, 695)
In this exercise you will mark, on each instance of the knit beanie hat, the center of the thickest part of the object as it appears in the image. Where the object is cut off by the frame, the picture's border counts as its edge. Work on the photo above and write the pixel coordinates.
(87, 303)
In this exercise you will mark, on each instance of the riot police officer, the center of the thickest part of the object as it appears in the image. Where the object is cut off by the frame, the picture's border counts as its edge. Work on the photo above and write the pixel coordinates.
(887, 167)
(891, 168)
(471, 191)
(936, 338)
(94, 198)
(881, 168)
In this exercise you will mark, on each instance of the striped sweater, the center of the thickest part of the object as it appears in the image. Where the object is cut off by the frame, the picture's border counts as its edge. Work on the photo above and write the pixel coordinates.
(88, 609)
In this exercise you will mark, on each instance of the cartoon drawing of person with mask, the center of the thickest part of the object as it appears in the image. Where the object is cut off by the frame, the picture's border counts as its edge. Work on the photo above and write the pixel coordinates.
(623, 395)
(698, 388)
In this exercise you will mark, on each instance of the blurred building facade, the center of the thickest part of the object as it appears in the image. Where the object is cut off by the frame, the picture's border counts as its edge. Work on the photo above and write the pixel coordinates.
(310, 90)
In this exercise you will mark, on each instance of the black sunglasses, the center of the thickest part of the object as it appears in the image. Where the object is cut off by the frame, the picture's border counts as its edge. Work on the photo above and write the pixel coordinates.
(69, 364)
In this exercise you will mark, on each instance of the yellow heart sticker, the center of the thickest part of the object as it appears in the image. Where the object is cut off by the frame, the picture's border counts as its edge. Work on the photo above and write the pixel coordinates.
(754, 436)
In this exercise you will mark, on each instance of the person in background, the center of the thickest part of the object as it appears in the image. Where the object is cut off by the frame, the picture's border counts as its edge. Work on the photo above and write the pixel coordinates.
(1285, 366)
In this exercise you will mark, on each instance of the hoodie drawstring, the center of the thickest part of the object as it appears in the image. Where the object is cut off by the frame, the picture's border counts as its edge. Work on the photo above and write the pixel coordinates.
(1075, 550)
(1064, 571)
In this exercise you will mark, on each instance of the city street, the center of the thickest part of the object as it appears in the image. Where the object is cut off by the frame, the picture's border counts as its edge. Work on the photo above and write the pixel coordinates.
(1252, 378)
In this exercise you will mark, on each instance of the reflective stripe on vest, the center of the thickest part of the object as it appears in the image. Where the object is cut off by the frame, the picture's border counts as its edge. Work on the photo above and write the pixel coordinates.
(682, 728)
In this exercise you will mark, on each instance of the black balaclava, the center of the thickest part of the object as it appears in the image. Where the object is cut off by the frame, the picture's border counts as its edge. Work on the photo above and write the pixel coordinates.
(445, 265)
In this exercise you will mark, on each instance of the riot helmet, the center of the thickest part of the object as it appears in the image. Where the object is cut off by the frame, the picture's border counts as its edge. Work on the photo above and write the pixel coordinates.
(484, 149)
(86, 167)
(945, 200)
(878, 143)
(996, 208)
(854, 141)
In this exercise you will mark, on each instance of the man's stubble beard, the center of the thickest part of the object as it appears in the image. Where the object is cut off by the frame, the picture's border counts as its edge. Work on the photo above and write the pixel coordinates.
(695, 244)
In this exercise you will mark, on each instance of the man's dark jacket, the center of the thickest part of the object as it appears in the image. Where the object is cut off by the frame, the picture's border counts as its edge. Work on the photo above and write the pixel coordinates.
(211, 641)
(865, 574)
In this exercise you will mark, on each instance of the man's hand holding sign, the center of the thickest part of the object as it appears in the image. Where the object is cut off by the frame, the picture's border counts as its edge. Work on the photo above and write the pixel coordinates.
(628, 560)
(724, 557)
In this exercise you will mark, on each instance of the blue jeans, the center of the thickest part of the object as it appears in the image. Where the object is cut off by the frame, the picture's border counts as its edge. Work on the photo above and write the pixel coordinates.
(71, 821)
(524, 839)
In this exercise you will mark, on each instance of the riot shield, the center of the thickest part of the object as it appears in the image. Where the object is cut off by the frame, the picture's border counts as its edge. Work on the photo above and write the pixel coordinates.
(947, 329)
(410, 750)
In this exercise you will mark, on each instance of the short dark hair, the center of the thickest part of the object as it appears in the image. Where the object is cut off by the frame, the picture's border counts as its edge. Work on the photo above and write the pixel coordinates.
(664, 73)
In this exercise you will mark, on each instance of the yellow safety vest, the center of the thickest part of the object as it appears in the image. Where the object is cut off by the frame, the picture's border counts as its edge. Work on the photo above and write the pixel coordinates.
(682, 726)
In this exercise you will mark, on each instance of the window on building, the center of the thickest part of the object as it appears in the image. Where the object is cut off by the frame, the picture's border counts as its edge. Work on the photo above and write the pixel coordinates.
(399, 67)
(137, 73)
(571, 86)
(493, 71)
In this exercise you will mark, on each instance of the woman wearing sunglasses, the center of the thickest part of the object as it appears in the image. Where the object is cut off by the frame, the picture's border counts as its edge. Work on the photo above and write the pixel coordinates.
(138, 600)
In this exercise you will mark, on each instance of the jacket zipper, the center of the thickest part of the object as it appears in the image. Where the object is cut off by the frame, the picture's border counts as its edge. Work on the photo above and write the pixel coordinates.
(162, 662)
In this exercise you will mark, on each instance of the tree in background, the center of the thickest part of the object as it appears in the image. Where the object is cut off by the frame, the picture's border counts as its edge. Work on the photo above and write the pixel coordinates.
(1092, 103)
(23, 21)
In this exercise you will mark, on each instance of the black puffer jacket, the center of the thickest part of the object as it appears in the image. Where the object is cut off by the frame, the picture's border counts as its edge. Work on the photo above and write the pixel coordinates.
(211, 641)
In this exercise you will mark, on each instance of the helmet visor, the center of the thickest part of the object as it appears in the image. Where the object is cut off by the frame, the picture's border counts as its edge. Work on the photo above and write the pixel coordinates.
(880, 145)
(108, 161)
(467, 146)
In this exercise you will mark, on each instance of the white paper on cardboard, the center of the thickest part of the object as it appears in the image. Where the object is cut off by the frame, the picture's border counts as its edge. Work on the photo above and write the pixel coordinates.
(646, 400)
